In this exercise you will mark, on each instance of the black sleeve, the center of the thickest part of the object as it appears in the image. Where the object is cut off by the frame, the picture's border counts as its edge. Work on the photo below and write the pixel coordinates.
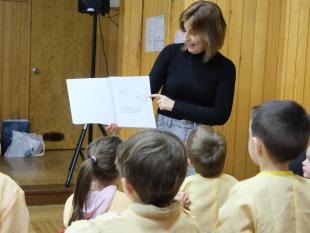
(158, 74)
(217, 114)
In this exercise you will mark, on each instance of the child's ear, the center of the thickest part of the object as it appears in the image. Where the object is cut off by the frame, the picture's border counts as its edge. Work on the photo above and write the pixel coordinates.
(127, 187)
(258, 145)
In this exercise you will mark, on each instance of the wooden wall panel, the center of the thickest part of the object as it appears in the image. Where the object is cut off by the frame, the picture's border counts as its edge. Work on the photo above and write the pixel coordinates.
(109, 36)
(233, 45)
(150, 9)
(244, 92)
(272, 49)
(130, 32)
(177, 6)
(306, 96)
(14, 59)
(301, 52)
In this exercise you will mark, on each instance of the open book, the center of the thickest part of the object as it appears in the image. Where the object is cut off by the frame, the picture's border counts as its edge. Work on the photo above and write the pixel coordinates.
(122, 100)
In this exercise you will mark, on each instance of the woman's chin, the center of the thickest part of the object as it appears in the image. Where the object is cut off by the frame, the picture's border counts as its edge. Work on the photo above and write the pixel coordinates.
(194, 50)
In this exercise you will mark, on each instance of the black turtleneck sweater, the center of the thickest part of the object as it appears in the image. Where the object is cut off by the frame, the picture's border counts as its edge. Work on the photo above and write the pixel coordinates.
(203, 92)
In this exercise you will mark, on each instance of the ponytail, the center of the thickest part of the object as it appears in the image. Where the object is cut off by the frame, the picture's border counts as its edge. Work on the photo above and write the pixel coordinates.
(81, 190)
(101, 165)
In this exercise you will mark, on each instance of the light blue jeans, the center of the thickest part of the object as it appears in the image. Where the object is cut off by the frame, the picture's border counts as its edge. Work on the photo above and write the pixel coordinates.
(181, 128)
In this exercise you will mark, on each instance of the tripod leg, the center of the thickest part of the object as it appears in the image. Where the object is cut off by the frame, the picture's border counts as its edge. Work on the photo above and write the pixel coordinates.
(104, 133)
(75, 156)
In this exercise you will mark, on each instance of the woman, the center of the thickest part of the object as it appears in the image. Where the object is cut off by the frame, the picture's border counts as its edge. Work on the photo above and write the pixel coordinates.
(196, 81)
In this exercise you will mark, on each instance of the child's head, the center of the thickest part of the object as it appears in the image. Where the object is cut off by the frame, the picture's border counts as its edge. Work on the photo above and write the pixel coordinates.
(153, 165)
(99, 166)
(206, 151)
(283, 129)
(306, 164)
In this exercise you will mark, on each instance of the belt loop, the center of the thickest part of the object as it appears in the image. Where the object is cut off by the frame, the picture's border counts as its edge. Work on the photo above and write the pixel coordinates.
(169, 121)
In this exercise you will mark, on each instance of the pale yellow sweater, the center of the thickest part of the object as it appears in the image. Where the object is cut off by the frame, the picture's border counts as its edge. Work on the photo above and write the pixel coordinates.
(207, 195)
(119, 203)
(271, 202)
(139, 218)
(14, 216)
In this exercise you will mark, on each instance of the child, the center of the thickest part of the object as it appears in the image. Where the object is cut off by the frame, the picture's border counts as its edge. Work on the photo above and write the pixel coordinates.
(306, 164)
(275, 200)
(208, 189)
(152, 165)
(96, 192)
(14, 216)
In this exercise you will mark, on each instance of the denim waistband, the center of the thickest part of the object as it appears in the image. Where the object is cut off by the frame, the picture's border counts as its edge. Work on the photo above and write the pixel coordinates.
(172, 121)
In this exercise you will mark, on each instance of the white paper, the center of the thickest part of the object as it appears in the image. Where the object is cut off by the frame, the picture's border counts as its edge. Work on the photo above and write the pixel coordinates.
(155, 33)
(159, 32)
(150, 34)
(178, 37)
(133, 105)
(121, 100)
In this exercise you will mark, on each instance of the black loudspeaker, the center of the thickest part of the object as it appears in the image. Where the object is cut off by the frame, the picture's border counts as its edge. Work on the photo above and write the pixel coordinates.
(94, 6)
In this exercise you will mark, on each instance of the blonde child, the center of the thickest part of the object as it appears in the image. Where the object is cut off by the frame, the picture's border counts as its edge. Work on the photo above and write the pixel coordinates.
(306, 164)
(275, 200)
(208, 188)
(14, 216)
(152, 165)
(96, 192)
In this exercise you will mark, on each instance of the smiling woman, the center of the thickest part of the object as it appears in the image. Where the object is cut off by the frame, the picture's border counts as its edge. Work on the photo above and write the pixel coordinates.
(196, 81)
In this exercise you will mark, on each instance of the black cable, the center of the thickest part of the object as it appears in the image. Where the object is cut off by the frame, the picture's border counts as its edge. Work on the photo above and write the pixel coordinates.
(103, 50)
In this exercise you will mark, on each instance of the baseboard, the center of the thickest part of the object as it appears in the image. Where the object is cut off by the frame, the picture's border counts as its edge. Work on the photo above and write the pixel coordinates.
(46, 194)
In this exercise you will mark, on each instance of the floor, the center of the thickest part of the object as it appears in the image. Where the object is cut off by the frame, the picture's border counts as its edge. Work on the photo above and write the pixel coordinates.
(45, 219)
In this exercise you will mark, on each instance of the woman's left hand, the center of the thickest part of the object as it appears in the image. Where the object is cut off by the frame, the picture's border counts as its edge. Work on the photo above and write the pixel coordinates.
(164, 103)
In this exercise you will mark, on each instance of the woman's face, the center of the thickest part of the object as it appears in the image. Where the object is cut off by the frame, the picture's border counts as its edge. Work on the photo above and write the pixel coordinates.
(306, 164)
(193, 40)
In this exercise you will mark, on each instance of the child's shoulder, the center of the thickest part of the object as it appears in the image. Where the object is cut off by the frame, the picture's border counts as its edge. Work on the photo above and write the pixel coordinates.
(7, 183)
(95, 225)
(228, 178)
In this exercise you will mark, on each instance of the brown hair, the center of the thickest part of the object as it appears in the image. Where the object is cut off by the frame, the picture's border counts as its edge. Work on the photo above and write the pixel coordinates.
(206, 18)
(207, 151)
(101, 165)
(154, 162)
(283, 127)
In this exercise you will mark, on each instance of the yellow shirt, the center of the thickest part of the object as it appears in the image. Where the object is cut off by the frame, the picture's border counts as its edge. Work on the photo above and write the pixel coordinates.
(139, 218)
(119, 203)
(14, 216)
(207, 195)
(271, 202)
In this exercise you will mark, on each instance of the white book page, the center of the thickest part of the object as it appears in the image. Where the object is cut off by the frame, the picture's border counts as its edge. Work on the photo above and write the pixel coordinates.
(132, 102)
(90, 101)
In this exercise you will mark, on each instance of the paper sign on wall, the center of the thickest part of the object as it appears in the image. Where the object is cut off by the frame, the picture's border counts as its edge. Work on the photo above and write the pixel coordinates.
(178, 37)
(155, 33)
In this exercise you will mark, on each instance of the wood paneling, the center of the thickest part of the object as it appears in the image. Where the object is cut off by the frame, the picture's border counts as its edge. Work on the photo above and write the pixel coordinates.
(268, 41)
(14, 59)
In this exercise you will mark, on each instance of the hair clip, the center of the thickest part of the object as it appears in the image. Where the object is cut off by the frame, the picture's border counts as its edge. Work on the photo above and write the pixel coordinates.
(93, 158)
